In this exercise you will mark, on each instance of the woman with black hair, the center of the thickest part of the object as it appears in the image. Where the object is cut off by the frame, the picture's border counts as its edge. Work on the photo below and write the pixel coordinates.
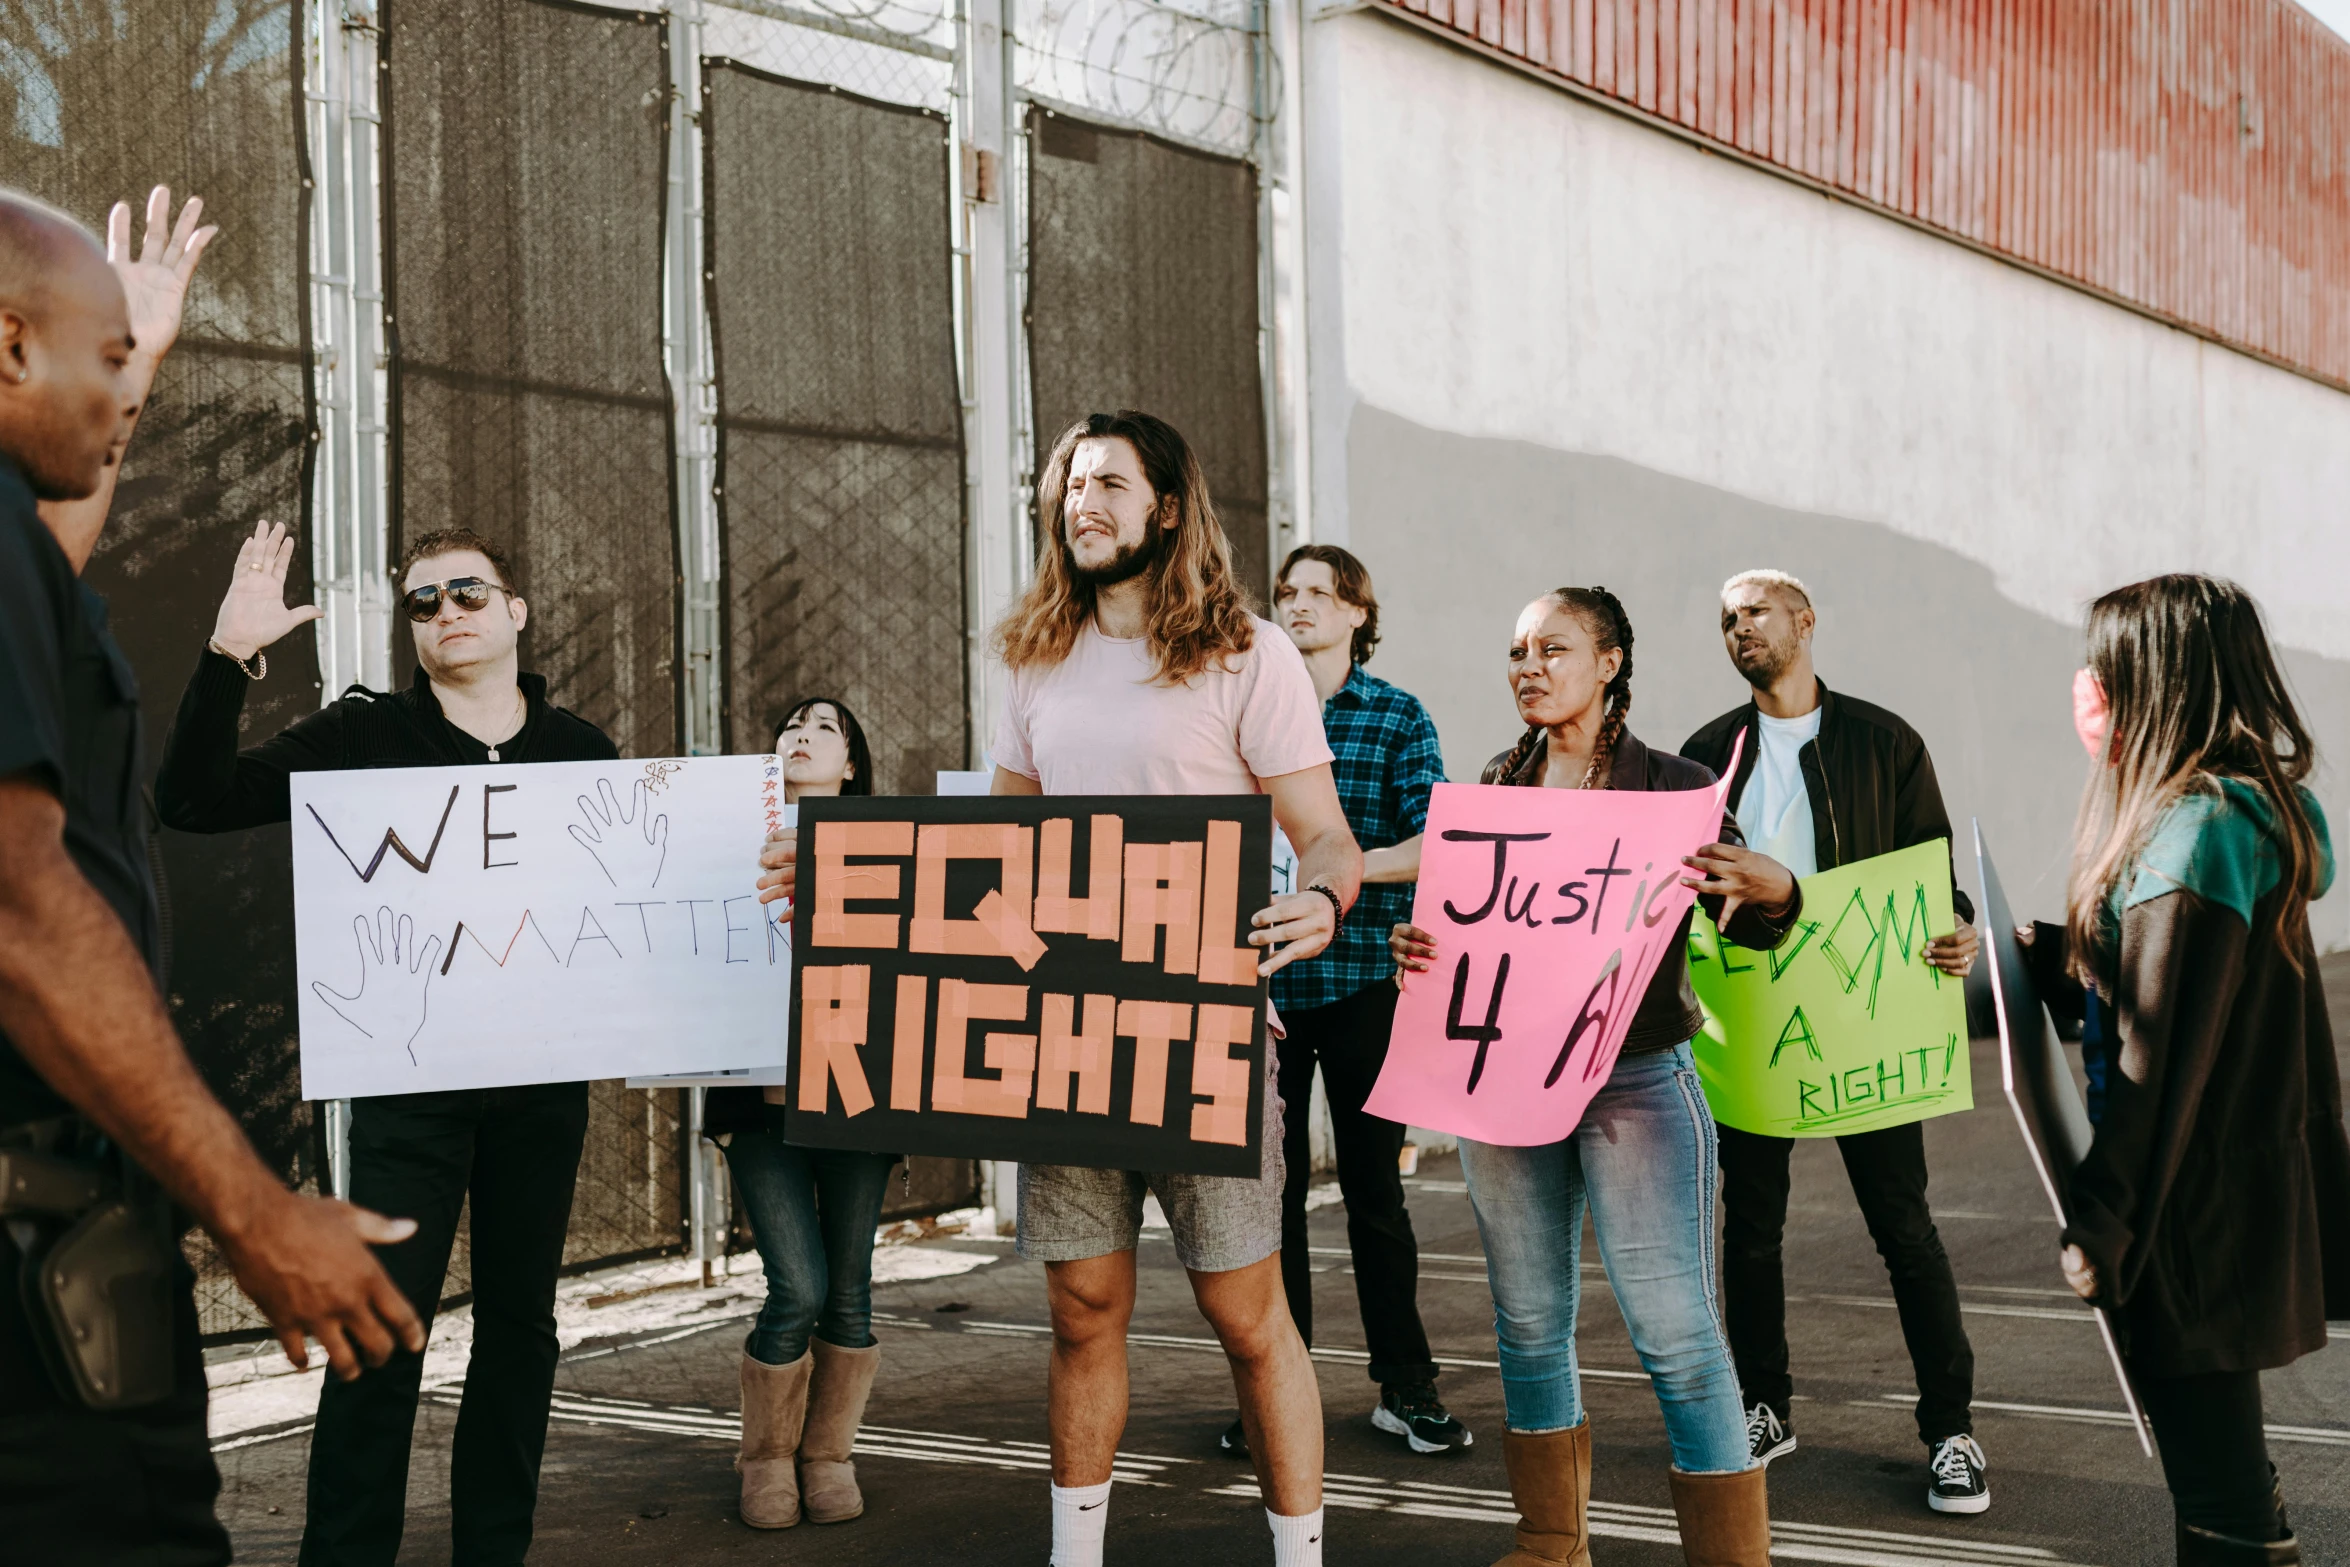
(2211, 1216)
(808, 1364)
(1641, 1161)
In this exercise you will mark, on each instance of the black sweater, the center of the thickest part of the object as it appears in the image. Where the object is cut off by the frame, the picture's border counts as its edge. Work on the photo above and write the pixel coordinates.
(207, 785)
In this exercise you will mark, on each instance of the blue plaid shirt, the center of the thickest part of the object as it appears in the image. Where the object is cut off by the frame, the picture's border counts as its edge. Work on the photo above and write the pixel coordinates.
(1387, 761)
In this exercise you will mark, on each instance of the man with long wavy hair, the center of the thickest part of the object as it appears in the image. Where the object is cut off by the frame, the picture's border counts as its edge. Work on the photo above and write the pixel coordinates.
(1137, 668)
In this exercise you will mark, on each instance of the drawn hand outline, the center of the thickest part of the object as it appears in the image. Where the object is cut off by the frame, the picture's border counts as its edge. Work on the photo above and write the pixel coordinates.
(394, 974)
(631, 846)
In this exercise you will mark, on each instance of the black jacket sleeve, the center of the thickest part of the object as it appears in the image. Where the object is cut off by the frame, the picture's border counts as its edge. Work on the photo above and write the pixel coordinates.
(1752, 927)
(205, 784)
(1919, 815)
(2045, 956)
(2182, 965)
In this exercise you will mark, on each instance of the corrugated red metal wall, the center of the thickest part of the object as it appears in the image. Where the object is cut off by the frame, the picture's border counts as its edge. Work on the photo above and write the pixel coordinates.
(2189, 157)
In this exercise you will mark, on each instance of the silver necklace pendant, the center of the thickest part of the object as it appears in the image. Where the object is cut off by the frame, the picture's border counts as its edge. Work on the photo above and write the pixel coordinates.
(493, 753)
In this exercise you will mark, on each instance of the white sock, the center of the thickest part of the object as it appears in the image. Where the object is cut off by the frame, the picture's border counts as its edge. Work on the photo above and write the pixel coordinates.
(1297, 1542)
(1081, 1516)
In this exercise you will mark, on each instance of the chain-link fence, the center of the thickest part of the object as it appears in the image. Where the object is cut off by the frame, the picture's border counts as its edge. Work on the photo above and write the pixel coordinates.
(98, 102)
(1142, 293)
(523, 176)
(839, 422)
(525, 150)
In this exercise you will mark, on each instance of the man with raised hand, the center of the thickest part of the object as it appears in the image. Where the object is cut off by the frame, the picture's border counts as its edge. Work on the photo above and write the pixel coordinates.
(1136, 668)
(513, 1151)
(1338, 1008)
(104, 1456)
(1828, 779)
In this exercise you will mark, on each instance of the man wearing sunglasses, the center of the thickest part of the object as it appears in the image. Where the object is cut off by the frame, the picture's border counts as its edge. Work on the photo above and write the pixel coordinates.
(514, 1151)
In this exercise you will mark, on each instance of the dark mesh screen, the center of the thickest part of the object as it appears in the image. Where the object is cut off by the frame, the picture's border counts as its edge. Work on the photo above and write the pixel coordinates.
(525, 147)
(840, 423)
(1142, 293)
(99, 102)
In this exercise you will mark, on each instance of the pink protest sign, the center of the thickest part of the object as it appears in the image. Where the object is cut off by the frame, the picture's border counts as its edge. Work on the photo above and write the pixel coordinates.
(1550, 909)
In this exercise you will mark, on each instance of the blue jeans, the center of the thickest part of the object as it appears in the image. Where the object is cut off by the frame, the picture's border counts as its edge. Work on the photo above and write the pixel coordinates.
(1642, 1160)
(813, 1212)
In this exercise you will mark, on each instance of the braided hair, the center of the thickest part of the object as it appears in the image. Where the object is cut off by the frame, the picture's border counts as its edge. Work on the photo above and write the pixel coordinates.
(1602, 615)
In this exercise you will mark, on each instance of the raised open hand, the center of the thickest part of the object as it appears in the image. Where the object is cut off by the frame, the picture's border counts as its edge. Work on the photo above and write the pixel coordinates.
(629, 845)
(254, 612)
(394, 974)
(156, 282)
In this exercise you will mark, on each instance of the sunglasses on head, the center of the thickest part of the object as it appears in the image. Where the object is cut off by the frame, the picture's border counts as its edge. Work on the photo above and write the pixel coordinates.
(423, 603)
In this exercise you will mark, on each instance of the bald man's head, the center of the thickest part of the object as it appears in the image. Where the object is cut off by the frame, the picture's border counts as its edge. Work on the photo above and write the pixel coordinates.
(65, 338)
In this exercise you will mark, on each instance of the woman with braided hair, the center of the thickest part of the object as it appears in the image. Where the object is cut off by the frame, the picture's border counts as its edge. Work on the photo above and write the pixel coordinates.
(1642, 1159)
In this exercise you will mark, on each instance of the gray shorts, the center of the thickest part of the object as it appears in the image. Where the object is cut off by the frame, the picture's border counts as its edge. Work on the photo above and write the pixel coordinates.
(1069, 1212)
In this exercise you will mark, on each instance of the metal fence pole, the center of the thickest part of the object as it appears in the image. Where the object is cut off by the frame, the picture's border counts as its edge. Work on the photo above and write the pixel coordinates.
(693, 381)
(351, 537)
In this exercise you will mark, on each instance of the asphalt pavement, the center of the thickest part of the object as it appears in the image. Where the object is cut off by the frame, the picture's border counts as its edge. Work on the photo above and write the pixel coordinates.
(953, 1460)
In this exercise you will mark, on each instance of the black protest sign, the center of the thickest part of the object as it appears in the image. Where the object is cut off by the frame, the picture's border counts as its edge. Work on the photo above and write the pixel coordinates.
(1053, 980)
(2040, 1088)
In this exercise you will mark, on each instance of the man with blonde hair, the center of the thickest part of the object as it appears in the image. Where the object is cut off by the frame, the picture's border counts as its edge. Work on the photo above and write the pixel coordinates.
(1828, 779)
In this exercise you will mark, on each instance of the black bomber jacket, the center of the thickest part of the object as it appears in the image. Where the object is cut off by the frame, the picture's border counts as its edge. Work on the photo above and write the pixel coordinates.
(1871, 782)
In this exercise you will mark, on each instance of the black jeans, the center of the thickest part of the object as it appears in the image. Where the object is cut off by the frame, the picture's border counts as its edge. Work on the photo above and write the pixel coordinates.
(1888, 1172)
(1349, 1038)
(107, 1490)
(2214, 1450)
(418, 1156)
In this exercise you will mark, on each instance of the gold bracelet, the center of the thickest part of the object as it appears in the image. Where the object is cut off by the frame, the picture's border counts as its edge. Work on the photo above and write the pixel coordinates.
(255, 668)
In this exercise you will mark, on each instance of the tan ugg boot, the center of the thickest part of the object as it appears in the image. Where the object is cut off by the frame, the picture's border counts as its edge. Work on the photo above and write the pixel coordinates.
(836, 1406)
(1725, 1518)
(1550, 1480)
(775, 1406)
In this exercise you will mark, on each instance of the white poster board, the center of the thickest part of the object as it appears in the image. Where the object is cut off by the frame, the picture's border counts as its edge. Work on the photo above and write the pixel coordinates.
(776, 1075)
(474, 927)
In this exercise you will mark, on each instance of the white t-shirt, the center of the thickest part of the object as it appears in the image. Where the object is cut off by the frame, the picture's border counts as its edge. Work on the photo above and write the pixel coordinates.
(1775, 810)
(1098, 723)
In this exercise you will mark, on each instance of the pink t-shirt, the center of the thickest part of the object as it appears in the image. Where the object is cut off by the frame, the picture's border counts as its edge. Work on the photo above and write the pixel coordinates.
(1097, 723)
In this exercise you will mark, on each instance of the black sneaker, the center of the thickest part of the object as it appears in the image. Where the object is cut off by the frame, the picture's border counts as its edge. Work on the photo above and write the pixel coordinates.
(1767, 1436)
(1959, 1484)
(1417, 1415)
(1234, 1442)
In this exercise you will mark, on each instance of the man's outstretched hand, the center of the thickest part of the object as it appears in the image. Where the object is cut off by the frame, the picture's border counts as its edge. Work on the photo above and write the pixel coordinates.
(305, 1261)
(155, 283)
(254, 613)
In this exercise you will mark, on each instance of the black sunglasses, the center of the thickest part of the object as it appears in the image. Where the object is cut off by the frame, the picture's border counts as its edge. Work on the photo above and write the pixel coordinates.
(467, 593)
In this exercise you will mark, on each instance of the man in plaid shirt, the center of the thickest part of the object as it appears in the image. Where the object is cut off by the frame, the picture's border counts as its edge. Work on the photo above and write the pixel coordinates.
(1337, 1008)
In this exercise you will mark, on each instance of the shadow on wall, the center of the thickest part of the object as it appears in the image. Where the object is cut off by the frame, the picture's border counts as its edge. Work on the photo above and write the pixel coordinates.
(1459, 532)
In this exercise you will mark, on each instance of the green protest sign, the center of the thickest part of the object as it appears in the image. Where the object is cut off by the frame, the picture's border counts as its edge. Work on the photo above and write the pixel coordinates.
(1846, 1028)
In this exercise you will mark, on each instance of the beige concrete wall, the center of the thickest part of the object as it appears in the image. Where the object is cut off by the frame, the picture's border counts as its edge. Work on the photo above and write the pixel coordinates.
(1550, 345)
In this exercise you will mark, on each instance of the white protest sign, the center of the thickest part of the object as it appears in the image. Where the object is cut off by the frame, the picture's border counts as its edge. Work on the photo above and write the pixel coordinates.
(776, 1075)
(473, 927)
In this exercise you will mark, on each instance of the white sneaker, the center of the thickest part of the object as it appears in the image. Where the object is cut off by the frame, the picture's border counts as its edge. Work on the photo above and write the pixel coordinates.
(1766, 1436)
(1959, 1484)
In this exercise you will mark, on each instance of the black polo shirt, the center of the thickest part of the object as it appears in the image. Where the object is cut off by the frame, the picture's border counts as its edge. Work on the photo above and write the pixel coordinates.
(69, 720)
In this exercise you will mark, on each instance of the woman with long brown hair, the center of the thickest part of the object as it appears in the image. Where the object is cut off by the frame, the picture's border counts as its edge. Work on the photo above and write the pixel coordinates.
(2211, 1216)
(1642, 1161)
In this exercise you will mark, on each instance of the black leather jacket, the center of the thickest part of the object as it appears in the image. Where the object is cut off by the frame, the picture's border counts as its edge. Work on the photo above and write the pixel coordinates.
(1871, 782)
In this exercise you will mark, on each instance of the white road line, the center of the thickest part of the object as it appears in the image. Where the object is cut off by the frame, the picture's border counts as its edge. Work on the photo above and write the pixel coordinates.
(2079, 1315)
(2320, 1436)
(1790, 1541)
(940, 1447)
(1331, 1352)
